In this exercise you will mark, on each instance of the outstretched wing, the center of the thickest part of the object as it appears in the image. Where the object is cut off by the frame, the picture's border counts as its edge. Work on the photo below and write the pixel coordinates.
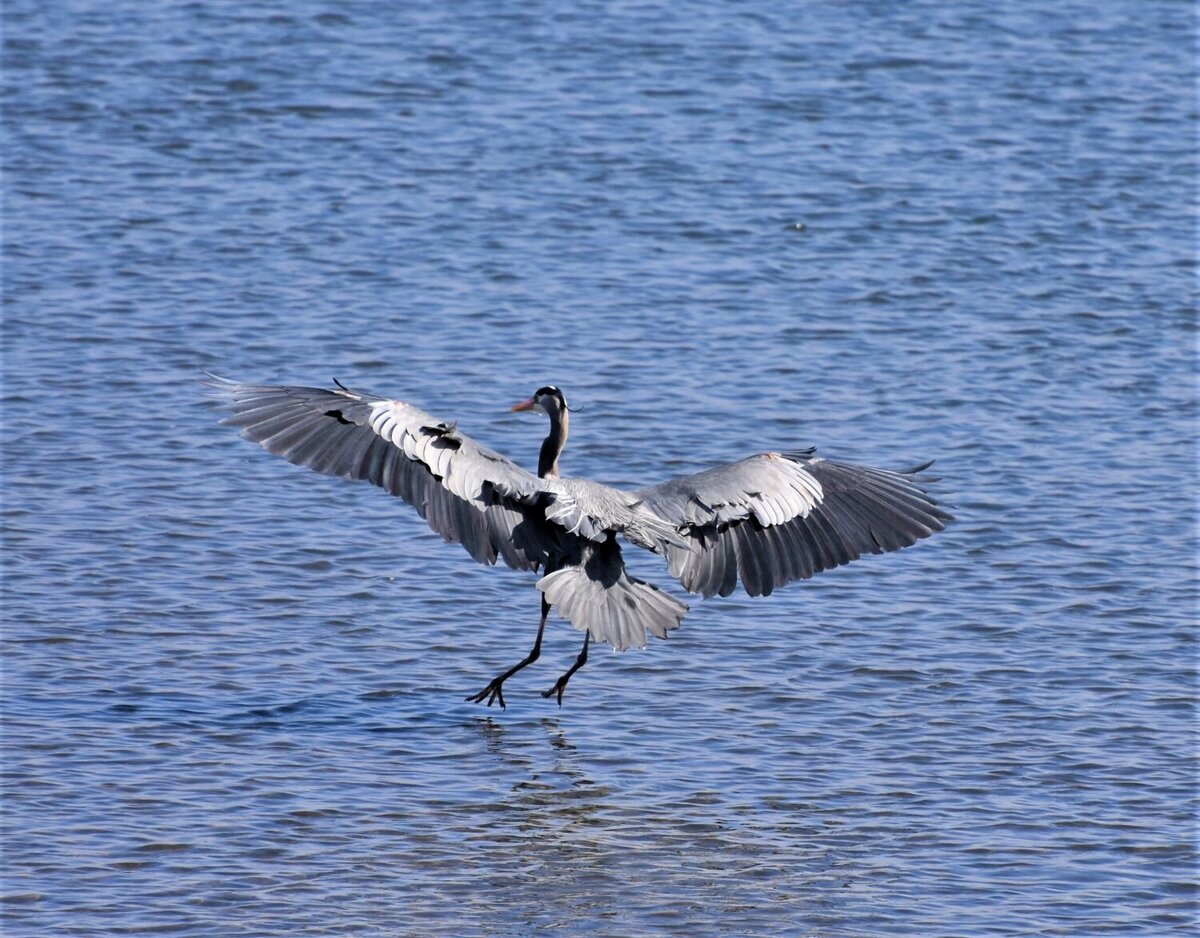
(467, 493)
(778, 517)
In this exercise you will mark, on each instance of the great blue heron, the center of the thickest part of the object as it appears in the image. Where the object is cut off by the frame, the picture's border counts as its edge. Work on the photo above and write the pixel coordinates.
(767, 520)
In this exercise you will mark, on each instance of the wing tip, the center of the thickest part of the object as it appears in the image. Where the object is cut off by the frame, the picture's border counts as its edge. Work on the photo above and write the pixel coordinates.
(211, 380)
(919, 468)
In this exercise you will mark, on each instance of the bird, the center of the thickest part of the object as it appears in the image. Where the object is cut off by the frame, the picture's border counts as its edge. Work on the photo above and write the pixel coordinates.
(767, 520)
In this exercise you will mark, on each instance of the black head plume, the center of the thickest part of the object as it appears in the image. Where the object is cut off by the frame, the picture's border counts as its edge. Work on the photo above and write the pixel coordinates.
(551, 391)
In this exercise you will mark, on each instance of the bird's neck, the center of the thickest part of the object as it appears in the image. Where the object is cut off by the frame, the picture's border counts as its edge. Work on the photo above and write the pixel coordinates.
(552, 446)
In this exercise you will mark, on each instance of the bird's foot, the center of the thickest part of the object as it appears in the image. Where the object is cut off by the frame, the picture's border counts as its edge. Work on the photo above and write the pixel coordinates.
(559, 686)
(492, 692)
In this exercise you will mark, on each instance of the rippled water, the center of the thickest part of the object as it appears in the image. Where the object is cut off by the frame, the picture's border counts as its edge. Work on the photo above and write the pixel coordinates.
(233, 689)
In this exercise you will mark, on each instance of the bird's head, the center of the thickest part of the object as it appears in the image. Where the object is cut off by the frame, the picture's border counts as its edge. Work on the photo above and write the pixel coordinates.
(548, 400)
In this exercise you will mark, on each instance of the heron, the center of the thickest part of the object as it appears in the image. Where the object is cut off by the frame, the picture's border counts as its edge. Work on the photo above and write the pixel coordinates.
(764, 521)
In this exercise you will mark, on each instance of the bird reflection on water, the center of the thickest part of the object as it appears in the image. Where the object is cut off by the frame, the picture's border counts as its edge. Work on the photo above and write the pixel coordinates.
(557, 785)
(556, 835)
(567, 839)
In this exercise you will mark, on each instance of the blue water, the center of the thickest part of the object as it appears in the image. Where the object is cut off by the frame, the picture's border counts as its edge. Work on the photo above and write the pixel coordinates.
(233, 690)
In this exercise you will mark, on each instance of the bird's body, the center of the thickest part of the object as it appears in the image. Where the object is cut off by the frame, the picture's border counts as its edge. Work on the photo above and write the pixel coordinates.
(766, 520)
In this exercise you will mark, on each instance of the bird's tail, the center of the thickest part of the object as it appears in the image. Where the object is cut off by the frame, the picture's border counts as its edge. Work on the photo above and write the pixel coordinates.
(599, 597)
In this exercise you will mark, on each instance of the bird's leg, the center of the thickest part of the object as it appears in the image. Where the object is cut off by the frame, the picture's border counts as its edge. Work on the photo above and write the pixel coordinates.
(493, 691)
(561, 684)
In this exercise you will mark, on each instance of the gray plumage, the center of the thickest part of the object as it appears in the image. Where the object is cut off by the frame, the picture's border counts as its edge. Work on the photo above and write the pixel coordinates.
(600, 597)
(594, 511)
(779, 517)
(766, 520)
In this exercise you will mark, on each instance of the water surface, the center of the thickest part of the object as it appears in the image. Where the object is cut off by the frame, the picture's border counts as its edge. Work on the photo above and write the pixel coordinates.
(233, 689)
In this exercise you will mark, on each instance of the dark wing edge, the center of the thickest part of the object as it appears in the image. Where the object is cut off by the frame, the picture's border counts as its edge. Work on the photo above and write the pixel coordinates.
(838, 512)
(465, 492)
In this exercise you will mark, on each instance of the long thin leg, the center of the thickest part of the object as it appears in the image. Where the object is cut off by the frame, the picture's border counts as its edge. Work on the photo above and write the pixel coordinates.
(493, 692)
(561, 684)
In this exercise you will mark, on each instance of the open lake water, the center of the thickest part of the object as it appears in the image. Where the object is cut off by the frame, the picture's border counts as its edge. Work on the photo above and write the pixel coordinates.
(233, 689)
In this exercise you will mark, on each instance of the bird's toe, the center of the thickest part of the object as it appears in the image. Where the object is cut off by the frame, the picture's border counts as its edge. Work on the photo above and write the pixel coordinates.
(492, 693)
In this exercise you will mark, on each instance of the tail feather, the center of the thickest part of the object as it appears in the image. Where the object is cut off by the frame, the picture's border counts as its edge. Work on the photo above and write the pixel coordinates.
(600, 598)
